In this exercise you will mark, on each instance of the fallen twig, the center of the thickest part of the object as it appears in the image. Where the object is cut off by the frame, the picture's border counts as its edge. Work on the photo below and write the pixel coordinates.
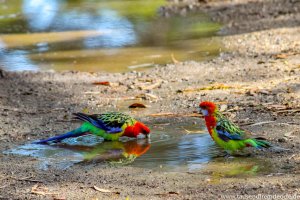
(168, 193)
(174, 60)
(218, 86)
(175, 115)
(288, 110)
(3, 186)
(26, 179)
(260, 123)
(268, 122)
(191, 132)
(150, 87)
(104, 190)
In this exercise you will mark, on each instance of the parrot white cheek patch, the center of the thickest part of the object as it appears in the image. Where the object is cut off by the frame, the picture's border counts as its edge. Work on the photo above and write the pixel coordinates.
(204, 112)
(141, 136)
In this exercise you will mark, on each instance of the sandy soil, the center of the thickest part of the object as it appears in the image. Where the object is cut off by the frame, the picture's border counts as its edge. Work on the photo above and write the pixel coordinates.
(256, 77)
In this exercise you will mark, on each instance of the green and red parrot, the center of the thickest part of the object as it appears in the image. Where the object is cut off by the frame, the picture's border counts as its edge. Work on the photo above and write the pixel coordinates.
(110, 126)
(227, 134)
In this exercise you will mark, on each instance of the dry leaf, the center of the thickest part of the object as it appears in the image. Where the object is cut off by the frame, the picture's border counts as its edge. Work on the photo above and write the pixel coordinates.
(38, 189)
(102, 190)
(281, 56)
(137, 105)
(252, 92)
(173, 192)
(102, 83)
(289, 134)
(260, 62)
(152, 96)
(223, 107)
(85, 110)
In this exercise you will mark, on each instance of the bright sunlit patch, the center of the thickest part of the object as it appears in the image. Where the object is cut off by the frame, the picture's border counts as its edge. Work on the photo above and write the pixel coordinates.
(40, 14)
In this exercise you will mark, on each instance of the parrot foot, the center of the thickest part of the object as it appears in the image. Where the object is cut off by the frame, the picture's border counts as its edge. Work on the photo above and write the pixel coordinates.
(223, 155)
(229, 156)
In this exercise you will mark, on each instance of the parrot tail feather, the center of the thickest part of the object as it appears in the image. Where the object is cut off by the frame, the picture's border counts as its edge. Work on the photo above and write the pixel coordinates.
(258, 143)
(75, 133)
(82, 116)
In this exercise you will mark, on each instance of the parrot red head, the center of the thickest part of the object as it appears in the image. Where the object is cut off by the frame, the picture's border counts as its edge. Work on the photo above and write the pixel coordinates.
(138, 130)
(207, 108)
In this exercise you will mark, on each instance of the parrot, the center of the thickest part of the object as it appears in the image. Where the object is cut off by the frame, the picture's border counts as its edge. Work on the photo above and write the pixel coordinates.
(227, 134)
(110, 126)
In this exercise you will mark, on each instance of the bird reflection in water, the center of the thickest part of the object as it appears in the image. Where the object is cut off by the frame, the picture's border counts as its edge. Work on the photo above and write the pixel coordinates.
(114, 152)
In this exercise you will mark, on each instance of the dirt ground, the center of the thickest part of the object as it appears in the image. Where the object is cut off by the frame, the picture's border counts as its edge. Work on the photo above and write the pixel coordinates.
(256, 77)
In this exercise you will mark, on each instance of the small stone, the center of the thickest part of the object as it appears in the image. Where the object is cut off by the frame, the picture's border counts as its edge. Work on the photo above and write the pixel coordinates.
(283, 139)
(131, 87)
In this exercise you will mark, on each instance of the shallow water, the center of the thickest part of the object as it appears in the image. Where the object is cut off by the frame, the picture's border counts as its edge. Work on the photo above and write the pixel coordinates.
(113, 36)
(169, 149)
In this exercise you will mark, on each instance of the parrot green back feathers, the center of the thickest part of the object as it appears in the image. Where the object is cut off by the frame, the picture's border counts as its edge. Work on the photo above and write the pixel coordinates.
(226, 124)
(115, 119)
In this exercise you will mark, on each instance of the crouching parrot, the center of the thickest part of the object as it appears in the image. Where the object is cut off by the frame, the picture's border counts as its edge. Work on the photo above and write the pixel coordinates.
(227, 134)
(110, 126)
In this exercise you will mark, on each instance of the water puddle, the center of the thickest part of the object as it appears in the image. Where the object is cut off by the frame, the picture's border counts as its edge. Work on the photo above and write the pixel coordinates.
(98, 35)
(169, 148)
(219, 168)
(184, 148)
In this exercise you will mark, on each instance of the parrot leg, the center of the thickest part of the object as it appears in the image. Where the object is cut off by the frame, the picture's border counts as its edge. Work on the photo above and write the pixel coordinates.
(233, 154)
(228, 154)
(221, 155)
(239, 154)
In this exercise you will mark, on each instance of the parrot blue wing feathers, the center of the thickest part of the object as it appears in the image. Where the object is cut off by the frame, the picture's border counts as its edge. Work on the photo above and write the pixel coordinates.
(114, 130)
(224, 135)
(227, 130)
(96, 122)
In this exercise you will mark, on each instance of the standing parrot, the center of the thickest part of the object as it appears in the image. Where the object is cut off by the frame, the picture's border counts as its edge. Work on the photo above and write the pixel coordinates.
(110, 126)
(227, 134)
